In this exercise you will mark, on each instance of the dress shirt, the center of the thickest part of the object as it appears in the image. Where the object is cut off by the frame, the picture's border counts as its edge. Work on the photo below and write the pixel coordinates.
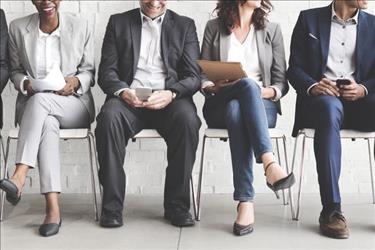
(247, 54)
(342, 47)
(151, 71)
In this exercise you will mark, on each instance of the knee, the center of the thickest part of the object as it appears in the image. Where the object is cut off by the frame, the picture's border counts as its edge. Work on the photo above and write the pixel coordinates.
(188, 121)
(51, 124)
(329, 110)
(248, 85)
(38, 100)
(233, 113)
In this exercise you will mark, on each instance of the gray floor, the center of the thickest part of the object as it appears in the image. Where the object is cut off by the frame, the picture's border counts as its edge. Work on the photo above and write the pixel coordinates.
(145, 229)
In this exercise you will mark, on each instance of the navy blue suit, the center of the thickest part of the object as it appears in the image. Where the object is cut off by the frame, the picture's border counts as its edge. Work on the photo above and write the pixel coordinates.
(327, 114)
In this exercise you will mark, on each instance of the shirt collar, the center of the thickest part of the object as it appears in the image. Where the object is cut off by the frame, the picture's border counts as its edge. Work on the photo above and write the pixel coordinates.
(158, 20)
(353, 19)
(41, 34)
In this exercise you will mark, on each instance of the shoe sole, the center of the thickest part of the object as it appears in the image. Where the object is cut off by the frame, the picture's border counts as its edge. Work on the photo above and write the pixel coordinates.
(333, 234)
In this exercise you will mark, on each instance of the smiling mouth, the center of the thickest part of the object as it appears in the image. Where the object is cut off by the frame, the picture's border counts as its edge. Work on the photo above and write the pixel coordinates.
(48, 10)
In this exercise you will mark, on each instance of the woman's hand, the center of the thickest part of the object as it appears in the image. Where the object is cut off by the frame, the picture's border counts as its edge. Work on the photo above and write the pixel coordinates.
(72, 84)
(219, 85)
(28, 88)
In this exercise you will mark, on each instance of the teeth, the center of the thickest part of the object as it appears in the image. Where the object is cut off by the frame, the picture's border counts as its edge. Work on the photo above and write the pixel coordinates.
(48, 9)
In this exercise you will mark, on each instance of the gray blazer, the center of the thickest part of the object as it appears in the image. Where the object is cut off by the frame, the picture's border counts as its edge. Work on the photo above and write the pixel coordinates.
(77, 55)
(270, 50)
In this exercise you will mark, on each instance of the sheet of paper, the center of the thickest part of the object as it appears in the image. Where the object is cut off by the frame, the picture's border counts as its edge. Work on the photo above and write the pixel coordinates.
(54, 81)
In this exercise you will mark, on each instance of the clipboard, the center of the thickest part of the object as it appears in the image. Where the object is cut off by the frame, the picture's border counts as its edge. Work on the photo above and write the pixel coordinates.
(216, 70)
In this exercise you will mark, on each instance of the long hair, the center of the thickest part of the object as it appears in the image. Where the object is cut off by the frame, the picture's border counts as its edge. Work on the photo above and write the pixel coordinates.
(228, 14)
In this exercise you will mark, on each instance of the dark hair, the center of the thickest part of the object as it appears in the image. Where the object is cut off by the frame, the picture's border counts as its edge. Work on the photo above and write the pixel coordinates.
(228, 14)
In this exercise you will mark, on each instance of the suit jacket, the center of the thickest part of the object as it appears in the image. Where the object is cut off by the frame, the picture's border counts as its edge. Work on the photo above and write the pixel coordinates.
(309, 55)
(77, 55)
(270, 50)
(121, 49)
(4, 60)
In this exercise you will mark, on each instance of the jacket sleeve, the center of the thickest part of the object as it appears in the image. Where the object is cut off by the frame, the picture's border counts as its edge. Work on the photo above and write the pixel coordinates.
(4, 57)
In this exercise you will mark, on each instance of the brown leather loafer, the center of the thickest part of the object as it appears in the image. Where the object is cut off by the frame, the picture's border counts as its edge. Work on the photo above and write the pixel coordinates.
(334, 226)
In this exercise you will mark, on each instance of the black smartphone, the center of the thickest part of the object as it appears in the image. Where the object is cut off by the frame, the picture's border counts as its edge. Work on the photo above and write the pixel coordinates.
(342, 82)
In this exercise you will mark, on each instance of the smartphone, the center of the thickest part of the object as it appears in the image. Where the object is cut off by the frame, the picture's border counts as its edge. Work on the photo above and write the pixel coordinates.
(342, 82)
(143, 93)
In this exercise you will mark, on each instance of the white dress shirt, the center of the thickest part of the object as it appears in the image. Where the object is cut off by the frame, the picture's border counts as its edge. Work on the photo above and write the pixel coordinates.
(48, 53)
(151, 71)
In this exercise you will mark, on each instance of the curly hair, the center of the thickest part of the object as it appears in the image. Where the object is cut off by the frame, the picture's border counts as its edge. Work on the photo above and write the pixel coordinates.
(228, 13)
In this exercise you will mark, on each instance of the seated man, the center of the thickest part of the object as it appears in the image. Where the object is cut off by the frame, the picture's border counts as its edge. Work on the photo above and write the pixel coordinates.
(165, 61)
(331, 67)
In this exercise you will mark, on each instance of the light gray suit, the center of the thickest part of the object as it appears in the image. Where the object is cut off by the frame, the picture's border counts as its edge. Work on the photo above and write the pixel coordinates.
(42, 115)
(271, 52)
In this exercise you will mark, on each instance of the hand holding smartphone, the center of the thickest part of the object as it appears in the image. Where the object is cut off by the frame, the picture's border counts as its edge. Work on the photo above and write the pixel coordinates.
(342, 82)
(143, 93)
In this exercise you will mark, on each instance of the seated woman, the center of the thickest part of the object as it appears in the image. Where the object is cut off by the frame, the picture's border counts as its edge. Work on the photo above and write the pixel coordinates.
(39, 44)
(247, 107)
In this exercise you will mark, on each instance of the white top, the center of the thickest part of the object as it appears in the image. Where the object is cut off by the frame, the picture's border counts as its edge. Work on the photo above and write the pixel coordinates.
(151, 71)
(247, 54)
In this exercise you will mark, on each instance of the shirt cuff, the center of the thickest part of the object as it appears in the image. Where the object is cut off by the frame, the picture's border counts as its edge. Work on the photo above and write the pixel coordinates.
(312, 86)
(206, 84)
(363, 86)
(118, 92)
(22, 87)
(278, 94)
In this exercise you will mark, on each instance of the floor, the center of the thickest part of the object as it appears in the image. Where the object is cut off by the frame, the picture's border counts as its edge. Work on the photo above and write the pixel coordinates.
(145, 228)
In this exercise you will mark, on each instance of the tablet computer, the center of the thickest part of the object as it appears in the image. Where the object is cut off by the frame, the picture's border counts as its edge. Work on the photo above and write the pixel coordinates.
(216, 70)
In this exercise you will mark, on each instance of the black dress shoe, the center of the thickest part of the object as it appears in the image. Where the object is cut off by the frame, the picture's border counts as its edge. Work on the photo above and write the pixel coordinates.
(110, 221)
(11, 191)
(47, 230)
(241, 230)
(179, 218)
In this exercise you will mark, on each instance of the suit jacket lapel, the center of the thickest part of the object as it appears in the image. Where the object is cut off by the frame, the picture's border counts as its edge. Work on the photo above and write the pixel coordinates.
(136, 32)
(260, 36)
(362, 31)
(325, 34)
(165, 37)
(66, 33)
(30, 39)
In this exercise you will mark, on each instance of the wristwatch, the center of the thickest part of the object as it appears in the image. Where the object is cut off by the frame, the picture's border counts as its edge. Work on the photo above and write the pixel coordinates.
(174, 93)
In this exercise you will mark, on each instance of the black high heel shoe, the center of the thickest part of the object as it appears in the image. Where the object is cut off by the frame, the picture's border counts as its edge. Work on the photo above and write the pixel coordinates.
(11, 191)
(281, 184)
(241, 230)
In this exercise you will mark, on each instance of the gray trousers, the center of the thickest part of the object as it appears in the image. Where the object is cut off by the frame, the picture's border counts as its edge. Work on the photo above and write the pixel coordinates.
(43, 116)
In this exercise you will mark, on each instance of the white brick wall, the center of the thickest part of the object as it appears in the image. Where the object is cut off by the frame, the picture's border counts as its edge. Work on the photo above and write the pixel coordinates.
(146, 159)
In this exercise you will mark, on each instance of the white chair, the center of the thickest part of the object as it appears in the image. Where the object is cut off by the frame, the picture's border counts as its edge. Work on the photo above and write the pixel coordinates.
(152, 134)
(65, 134)
(344, 134)
(222, 134)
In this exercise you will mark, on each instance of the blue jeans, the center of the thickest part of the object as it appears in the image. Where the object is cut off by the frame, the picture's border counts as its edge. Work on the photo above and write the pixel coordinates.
(241, 109)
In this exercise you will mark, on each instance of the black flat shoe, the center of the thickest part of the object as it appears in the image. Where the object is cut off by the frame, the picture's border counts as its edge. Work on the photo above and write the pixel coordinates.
(179, 218)
(110, 221)
(11, 191)
(47, 230)
(240, 230)
(281, 184)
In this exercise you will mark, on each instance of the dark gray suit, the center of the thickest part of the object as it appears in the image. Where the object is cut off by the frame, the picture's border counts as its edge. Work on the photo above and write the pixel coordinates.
(178, 123)
(4, 61)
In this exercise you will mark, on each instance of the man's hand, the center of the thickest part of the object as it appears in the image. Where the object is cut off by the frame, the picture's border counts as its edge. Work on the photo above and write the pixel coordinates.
(352, 92)
(325, 87)
(128, 96)
(72, 84)
(219, 85)
(159, 100)
(28, 88)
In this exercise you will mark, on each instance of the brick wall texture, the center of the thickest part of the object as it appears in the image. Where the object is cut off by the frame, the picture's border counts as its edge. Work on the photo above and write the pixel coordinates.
(146, 159)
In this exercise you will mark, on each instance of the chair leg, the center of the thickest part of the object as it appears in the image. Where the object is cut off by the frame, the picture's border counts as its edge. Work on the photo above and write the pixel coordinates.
(199, 191)
(93, 178)
(193, 196)
(279, 159)
(371, 170)
(301, 173)
(96, 163)
(287, 170)
(5, 175)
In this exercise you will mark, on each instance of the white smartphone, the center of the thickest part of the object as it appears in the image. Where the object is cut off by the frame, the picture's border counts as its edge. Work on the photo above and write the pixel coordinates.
(143, 93)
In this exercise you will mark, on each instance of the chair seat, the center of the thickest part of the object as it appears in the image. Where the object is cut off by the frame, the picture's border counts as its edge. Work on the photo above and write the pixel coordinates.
(80, 133)
(345, 134)
(223, 133)
(147, 133)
